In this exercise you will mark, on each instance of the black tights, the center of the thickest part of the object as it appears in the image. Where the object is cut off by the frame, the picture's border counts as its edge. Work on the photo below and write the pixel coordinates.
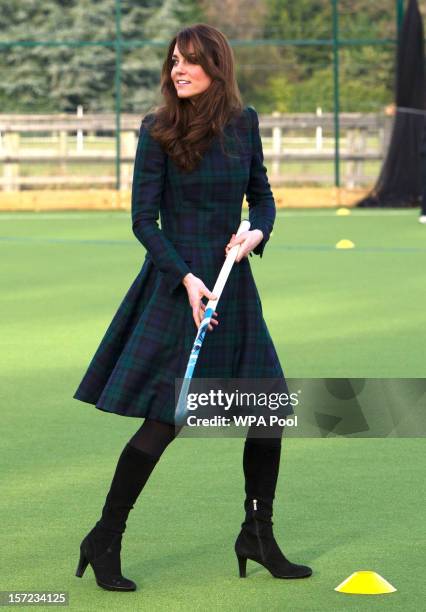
(153, 437)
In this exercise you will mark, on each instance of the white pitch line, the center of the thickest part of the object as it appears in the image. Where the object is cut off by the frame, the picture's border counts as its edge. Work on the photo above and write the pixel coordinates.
(41, 216)
(390, 213)
(22, 216)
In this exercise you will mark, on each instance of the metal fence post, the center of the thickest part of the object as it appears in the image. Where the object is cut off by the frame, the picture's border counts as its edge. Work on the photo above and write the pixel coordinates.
(336, 94)
(118, 49)
(399, 16)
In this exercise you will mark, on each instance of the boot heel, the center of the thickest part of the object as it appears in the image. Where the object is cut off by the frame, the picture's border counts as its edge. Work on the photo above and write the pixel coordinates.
(82, 564)
(242, 564)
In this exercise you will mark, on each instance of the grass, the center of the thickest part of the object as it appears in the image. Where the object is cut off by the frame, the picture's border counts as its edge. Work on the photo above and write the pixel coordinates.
(342, 504)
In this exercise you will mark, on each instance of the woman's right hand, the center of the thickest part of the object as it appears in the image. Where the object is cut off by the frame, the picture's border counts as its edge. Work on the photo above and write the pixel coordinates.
(196, 289)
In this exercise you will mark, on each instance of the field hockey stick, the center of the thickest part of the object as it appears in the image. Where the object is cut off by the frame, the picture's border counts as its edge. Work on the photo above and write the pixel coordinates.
(181, 408)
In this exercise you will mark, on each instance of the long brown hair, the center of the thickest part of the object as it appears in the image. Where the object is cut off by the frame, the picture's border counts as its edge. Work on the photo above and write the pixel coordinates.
(185, 130)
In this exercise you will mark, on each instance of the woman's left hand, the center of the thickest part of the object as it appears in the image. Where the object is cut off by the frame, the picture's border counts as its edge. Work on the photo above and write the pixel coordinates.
(248, 241)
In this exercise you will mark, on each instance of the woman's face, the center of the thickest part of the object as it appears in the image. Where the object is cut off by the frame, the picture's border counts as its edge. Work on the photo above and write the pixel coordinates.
(182, 70)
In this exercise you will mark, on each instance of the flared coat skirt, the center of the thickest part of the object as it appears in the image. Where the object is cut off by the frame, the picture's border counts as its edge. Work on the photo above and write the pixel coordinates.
(149, 340)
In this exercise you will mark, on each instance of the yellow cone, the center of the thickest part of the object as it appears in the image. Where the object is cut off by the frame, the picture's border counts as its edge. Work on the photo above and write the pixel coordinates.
(365, 583)
(345, 244)
(343, 211)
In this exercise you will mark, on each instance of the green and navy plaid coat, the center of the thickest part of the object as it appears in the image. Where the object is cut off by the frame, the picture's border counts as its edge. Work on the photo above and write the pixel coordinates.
(149, 339)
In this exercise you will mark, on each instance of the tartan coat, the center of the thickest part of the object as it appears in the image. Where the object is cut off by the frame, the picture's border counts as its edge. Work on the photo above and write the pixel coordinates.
(149, 340)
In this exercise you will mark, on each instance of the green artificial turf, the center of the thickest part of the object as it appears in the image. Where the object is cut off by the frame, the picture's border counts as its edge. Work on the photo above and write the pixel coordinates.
(342, 504)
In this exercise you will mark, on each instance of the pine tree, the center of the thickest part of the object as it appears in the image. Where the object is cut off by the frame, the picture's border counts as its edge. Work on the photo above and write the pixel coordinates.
(57, 78)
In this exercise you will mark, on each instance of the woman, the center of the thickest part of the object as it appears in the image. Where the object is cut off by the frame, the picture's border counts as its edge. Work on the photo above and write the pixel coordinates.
(183, 172)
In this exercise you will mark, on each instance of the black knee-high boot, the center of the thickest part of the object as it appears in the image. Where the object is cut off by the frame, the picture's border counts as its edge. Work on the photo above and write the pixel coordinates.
(102, 545)
(256, 541)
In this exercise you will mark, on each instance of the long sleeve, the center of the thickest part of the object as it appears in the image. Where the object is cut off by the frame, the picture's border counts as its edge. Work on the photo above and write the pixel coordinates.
(147, 187)
(259, 196)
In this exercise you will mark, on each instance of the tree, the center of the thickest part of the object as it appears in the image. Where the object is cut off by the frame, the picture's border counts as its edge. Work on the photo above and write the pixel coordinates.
(57, 78)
